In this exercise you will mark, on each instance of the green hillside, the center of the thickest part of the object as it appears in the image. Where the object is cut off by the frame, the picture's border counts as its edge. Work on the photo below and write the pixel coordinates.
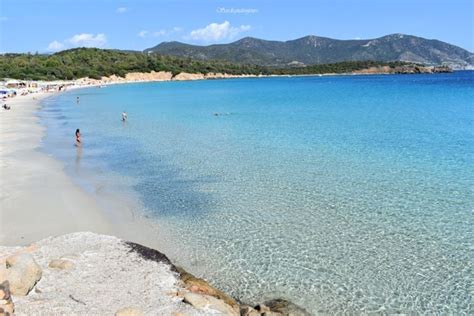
(95, 63)
(311, 50)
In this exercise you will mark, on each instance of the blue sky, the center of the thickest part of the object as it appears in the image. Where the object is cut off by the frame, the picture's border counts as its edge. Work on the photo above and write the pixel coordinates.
(51, 25)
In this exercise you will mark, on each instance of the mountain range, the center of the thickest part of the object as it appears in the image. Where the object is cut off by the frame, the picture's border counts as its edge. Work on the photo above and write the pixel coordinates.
(310, 50)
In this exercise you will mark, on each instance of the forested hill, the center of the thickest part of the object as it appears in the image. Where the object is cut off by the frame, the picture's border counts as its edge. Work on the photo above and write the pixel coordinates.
(310, 50)
(96, 63)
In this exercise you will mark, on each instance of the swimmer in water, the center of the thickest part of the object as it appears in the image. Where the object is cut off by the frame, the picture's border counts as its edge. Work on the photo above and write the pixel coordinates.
(78, 137)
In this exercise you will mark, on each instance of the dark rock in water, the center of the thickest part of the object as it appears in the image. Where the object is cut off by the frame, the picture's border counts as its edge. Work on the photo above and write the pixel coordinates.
(286, 308)
(150, 254)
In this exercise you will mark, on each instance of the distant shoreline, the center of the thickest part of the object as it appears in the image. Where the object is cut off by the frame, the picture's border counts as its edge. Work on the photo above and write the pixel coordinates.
(165, 76)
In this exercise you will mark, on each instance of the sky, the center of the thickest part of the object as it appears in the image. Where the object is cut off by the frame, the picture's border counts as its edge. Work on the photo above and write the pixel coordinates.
(52, 25)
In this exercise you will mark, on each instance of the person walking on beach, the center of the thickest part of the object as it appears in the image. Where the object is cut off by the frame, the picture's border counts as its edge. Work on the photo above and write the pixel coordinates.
(124, 116)
(78, 137)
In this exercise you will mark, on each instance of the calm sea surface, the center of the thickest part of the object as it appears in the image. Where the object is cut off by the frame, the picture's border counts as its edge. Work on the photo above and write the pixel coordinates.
(347, 193)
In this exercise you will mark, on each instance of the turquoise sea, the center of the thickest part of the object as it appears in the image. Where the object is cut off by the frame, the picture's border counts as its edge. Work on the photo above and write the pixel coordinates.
(340, 193)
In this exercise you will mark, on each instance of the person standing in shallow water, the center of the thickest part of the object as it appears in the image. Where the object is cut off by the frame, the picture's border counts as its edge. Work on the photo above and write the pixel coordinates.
(77, 100)
(124, 116)
(78, 137)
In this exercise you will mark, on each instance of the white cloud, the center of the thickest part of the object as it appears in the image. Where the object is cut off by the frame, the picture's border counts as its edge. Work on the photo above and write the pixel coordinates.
(216, 32)
(143, 33)
(79, 40)
(162, 32)
(54, 46)
(121, 10)
(88, 40)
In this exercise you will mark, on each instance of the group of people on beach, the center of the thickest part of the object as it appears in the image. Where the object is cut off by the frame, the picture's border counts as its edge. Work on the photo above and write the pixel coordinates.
(78, 131)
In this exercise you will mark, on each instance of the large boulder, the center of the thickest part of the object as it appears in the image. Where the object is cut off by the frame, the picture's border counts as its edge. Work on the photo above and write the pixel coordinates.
(22, 272)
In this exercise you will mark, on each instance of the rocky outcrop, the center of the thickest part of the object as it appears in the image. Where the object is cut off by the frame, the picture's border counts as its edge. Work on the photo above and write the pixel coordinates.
(406, 69)
(107, 277)
(149, 76)
(201, 294)
(90, 274)
(129, 77)
(154, 76)
(187, 76)
(22, 272)
(105, 80)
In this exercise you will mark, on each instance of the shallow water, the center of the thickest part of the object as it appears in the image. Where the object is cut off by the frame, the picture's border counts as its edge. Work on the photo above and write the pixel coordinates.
(347, 193)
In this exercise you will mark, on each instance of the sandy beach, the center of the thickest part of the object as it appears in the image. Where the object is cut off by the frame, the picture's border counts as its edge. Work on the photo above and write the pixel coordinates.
(37, 199)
